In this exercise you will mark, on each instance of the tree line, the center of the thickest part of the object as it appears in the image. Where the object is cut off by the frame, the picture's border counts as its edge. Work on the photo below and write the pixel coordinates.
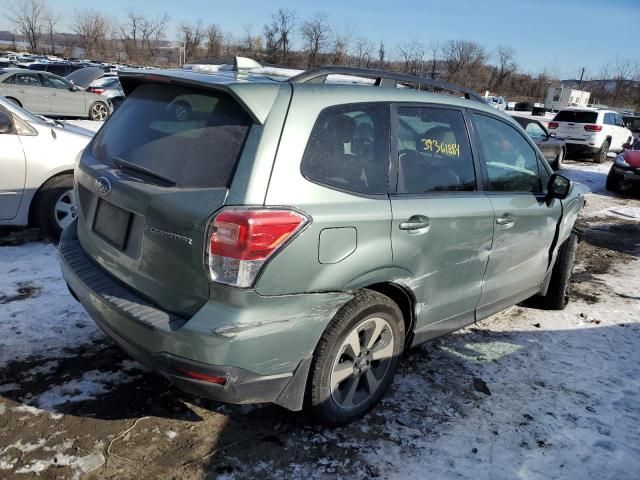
(285, 39)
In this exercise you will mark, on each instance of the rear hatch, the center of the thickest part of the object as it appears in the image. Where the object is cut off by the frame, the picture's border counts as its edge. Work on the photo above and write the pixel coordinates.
(150, 181)
(571, 124)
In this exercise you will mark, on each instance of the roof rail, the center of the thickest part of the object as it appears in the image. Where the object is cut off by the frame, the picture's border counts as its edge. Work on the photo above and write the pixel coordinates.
(382, 79)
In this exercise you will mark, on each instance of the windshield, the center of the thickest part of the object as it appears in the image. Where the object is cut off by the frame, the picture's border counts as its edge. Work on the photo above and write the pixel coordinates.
(19, 111)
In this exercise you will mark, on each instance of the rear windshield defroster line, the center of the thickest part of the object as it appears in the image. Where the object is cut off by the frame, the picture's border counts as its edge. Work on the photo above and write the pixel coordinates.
(187, 137)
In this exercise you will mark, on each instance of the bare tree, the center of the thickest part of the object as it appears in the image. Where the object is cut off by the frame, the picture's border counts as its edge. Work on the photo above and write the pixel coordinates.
(51, 20)
(279, 35)
(340, 46)
(251, 44)
(623, 73)
(27, 16)
(91, 27)
(315, 33)
(229, 40)
(192, 36)
(381, 55)
(463, 58)
(214, 41)
(434, 49)
(141, 35)
(363, 50)
(411, 55)
(506, 64)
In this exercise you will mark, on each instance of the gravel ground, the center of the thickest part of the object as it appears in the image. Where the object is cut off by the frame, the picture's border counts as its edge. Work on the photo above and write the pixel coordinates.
(524, 394)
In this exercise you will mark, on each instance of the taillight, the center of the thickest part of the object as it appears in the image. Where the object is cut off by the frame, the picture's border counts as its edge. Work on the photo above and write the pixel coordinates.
(203, 377)
(99, 91)
(593, 128)
(241, 240)
(552, 125)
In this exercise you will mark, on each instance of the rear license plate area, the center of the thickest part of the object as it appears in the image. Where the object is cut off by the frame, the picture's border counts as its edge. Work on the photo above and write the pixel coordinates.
(112, 223)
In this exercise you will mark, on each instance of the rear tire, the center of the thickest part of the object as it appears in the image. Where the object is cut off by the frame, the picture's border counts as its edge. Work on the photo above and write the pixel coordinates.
(55, 206)
(601, 155)
(356, 359)
(613, 181)
(98, 111)
(557, 296)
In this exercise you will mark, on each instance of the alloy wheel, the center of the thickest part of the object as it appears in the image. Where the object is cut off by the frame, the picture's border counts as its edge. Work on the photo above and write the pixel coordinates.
(362, 362)
(65, 209)
(99, 111)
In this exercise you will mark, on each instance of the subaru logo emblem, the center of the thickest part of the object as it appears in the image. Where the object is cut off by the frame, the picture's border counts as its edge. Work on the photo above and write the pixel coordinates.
(103, 186)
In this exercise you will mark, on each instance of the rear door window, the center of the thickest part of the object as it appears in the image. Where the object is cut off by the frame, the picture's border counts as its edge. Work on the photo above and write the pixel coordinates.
(349, 148)
(576, 116)
(434, 153)
(192, 138)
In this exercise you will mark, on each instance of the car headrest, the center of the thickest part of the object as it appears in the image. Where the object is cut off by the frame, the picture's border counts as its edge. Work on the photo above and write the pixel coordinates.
(341, 127)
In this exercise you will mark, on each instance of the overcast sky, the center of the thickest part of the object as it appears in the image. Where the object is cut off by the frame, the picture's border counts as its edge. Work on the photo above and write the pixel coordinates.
(559, 35)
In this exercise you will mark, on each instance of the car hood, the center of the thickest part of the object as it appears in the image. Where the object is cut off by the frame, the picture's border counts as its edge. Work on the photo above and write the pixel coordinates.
(632, 157)
(76, 129)
(84, 76)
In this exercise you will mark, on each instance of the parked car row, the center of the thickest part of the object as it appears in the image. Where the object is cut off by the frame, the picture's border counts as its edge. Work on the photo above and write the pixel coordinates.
(37, 158)
(43, 93)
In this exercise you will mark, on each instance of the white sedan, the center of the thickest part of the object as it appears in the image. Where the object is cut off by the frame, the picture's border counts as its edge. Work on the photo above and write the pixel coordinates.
(36, 160)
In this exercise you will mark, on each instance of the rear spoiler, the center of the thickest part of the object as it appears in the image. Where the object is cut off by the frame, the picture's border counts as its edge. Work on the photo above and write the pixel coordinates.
(256, 98)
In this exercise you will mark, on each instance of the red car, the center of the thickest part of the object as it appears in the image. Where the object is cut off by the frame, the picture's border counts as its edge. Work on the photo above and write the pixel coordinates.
(625, 170)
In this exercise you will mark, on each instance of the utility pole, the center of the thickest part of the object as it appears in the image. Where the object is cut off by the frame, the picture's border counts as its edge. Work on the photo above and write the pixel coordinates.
(581, 77)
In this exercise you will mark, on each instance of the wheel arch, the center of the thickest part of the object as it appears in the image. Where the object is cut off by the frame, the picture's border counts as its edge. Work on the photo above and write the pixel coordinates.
(13, 99)
(405, 299)
(34, 200)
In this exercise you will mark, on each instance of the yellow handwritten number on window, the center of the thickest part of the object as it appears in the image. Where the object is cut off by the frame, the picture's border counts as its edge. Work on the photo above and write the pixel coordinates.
(451, 149)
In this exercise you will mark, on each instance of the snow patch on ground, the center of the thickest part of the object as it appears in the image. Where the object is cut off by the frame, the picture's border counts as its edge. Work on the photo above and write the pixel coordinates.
(55, 316)
(88, 387)
(627, 213)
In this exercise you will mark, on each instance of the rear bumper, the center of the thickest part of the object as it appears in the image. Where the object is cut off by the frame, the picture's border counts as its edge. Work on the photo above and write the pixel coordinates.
(627, 175)
(583, 148)
(172, 345)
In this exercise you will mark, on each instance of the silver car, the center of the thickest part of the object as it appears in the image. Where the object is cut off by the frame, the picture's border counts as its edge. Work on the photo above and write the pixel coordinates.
(43, 93)
(37, 158)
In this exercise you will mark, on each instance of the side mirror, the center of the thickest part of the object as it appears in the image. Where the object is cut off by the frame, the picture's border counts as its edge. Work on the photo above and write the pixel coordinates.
(552, 135)
(558, 187)
(6, 122)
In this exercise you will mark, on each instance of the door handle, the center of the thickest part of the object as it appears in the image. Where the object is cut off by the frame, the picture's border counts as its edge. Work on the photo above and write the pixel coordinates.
(505, 220)
(20, 91)
(416, 224)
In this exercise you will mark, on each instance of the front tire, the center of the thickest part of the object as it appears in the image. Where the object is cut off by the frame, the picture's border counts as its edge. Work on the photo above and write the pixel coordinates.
(613, 181)
(55, 206)
(98, 111)
(557, 296)
(601, 155)
(356, 359)
(558, 161)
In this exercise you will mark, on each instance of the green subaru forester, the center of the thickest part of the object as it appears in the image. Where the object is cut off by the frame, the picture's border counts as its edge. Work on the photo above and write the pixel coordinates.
(274, 241)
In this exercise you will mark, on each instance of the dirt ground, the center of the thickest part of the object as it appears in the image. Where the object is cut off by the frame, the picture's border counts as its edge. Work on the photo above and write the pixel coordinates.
(489, 401)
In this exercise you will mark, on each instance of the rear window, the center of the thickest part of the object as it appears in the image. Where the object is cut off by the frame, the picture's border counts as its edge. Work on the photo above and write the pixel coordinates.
(192, 138)
(576, 116)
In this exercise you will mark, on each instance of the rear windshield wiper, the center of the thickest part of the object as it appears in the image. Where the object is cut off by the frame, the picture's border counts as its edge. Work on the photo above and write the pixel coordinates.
(134, 167)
